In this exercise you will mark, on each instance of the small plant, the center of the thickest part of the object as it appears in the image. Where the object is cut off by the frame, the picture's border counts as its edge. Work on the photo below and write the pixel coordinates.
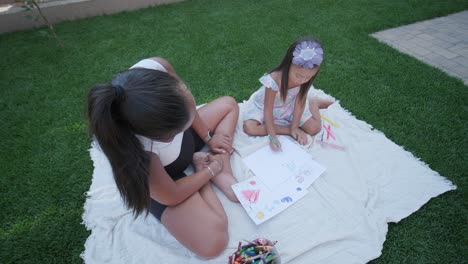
(34, 4)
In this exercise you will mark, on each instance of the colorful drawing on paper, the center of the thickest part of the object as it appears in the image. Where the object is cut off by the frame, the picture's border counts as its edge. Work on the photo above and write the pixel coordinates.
(278, 185)
(260, 215)
(260, 202)
(251, 195)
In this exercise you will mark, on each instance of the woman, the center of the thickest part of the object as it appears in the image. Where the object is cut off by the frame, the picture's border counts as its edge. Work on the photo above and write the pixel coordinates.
(146, 123)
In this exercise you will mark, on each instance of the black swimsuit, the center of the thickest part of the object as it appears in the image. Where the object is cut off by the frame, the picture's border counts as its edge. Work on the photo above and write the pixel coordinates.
(191, 143)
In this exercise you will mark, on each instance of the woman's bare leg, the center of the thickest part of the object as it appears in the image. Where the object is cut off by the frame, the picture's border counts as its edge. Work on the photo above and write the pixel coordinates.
(220, 115)
(213, 201)
(197, 226)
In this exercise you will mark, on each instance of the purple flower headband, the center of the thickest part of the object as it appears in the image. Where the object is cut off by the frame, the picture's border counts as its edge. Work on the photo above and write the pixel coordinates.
(307, 54)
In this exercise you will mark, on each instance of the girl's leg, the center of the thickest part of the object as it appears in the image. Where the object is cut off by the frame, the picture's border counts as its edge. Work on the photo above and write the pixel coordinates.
(197, 226)
(255, 128)
(314, 124)
(221, 116)
(224, 180)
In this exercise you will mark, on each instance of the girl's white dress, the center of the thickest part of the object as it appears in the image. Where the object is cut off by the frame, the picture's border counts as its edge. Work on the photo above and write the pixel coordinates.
(282, 111)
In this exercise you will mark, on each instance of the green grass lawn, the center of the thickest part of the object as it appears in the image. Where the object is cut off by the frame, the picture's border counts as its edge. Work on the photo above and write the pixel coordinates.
(222, 48)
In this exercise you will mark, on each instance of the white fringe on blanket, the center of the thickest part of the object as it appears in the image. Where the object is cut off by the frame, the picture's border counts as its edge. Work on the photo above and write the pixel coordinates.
(343, 218)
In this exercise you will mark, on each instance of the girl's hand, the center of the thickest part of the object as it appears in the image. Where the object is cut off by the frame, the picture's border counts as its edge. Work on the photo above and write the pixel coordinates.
(200, 160)
(275, 144)
(220, 143)
(299, 135)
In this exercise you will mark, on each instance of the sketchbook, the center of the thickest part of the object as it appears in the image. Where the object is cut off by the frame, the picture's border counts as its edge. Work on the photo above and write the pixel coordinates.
(281, 178)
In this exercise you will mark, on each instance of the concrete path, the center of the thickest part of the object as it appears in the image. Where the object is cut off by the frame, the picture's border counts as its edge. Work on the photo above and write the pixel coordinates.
(441, 42)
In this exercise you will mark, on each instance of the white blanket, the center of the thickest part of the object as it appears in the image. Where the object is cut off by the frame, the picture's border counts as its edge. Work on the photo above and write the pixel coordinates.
(343, 218)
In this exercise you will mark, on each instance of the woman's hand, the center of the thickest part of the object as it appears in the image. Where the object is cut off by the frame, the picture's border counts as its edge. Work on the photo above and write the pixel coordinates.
(299, 135)
(220, 143)
(200, 160)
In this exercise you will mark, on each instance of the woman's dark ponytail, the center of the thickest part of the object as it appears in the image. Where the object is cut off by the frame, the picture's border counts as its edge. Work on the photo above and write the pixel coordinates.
(137, 101)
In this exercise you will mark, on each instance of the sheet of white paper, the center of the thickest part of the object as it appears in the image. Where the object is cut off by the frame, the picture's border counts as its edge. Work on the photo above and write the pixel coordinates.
(281, 178)
(283, 169)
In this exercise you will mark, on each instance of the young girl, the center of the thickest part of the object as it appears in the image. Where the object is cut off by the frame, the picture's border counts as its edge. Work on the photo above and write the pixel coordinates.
(281, 106)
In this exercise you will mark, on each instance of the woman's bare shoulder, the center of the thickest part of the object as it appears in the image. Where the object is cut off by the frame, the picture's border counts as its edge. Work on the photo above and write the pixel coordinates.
(165, 64)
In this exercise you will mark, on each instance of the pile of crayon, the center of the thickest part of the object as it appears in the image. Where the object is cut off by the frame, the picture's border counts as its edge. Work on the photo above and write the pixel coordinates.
(259, 251)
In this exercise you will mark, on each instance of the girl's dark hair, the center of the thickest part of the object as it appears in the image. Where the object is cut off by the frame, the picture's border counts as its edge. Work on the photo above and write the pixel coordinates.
(284, 68)
(139, 101)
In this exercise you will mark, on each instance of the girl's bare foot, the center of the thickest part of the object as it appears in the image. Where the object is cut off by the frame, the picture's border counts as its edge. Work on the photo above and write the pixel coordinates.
(299, 135)
(200, 160)
(322, 103)
(223, 181)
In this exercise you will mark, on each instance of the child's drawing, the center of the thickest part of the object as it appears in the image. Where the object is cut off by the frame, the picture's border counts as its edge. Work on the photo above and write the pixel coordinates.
(280, 183)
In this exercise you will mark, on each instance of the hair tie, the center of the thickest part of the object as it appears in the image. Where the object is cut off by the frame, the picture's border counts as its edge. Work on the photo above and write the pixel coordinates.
(119, 91)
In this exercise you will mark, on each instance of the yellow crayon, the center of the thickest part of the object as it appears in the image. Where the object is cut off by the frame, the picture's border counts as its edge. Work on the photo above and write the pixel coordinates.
(329, 121)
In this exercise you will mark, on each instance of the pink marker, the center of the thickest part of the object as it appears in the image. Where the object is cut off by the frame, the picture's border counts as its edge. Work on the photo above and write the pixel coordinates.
(329, 133)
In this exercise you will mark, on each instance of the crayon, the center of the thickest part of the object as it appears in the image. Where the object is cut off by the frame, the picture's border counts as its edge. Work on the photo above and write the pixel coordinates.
(329, 121)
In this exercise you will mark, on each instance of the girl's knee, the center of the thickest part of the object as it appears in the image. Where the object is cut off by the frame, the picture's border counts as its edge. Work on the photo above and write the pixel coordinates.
(312, 128)
(316, 128)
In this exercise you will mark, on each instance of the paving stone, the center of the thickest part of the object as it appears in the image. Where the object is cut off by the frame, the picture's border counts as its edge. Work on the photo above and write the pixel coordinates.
(444, 52)
(463, 37)
(442, 44)
(459, 46)
(420, 51)
(420, 42)
(445, 37)
(436, 59)
(462, 60)
(425, 36)
(395, 35)
(463, 52)
(420, 26)
(430, 31)
(405, 44)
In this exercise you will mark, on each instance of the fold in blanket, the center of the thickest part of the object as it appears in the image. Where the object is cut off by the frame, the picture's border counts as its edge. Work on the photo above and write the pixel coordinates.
(343, 218)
